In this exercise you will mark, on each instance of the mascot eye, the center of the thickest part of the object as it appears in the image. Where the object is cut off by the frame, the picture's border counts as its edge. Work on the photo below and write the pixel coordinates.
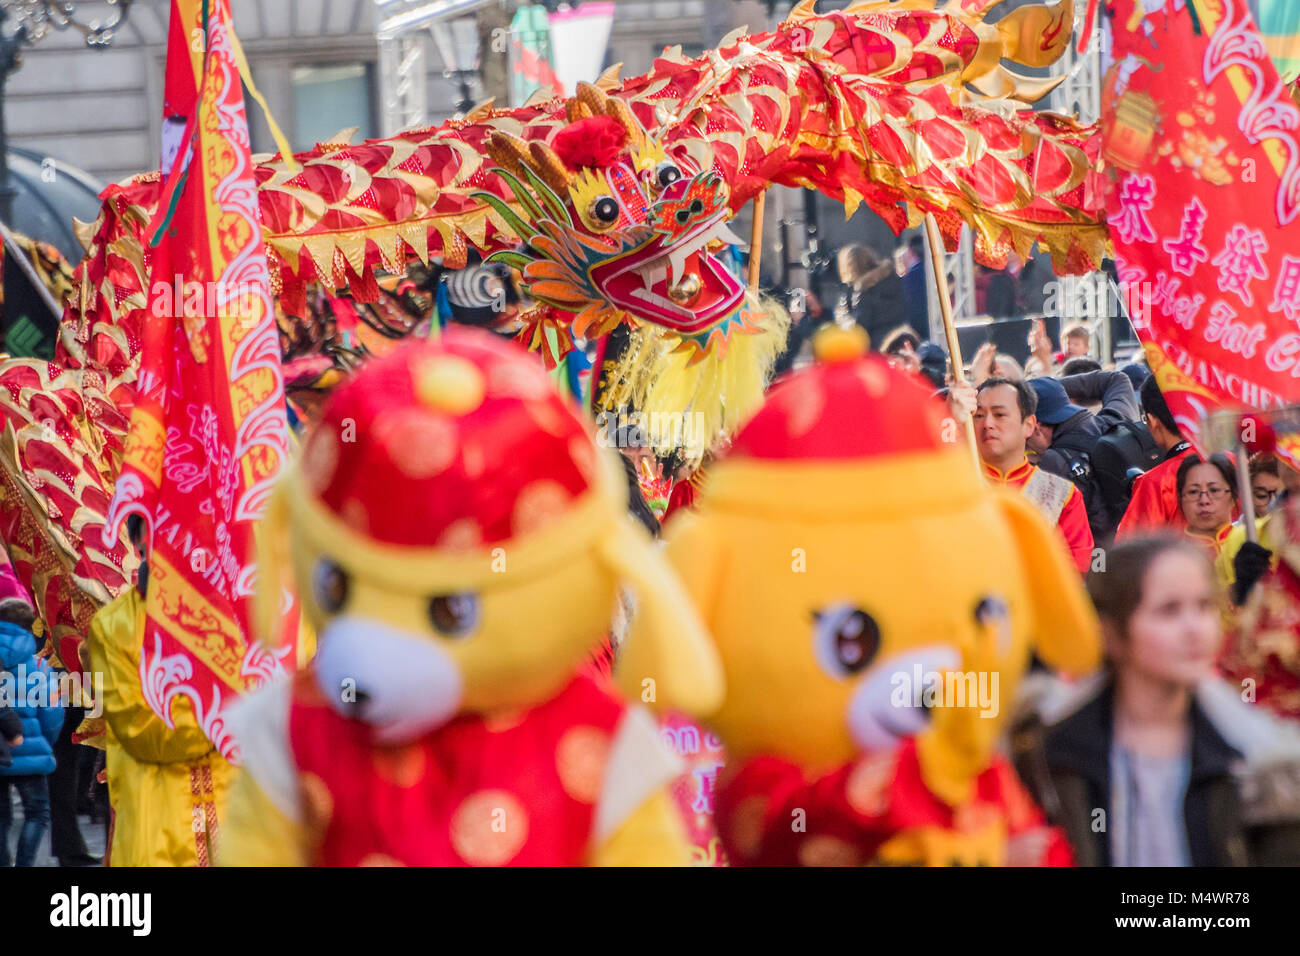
(667, 174)
(604, 211)
(329, 586)
(454, 615)
(847, 639)
(992, 612)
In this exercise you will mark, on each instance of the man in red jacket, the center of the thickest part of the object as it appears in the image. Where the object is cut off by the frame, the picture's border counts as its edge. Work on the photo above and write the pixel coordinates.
(1004, 420)
(1154, 505)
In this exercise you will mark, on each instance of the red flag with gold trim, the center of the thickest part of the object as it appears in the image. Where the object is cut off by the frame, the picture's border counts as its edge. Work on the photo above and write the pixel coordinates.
(1203, 135)
(209, 433)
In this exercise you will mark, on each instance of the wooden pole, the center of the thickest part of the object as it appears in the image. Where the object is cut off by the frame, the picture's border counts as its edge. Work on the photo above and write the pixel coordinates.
(949, 326)
(756, 241)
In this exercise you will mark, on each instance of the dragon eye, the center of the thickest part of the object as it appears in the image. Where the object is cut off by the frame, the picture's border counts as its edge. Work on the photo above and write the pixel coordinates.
(454, 615)
(329, 586)
(666, 174)
(604, 211)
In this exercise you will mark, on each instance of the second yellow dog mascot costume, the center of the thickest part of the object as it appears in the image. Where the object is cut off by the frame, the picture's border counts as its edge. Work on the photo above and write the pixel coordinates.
(457, 542)
(856, 575)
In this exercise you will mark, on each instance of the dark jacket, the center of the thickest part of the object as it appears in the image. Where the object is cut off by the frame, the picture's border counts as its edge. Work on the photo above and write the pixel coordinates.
(1074, 440)
(42, 718)
(1237, 813)
(1113, 389)
(879, 305)
(915, 296)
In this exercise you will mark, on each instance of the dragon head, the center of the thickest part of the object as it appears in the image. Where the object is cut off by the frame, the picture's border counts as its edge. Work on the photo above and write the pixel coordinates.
(616, 227)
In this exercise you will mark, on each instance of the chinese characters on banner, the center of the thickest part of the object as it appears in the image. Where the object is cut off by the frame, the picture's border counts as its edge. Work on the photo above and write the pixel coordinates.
(209, 433)
(1202, 136)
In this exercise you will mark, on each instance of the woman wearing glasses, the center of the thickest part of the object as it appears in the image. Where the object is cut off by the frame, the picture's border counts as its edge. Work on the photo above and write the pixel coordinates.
(1207, 494)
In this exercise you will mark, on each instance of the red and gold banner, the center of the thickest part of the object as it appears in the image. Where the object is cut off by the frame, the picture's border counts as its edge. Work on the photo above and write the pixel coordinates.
(1202, 135)
(209, 434)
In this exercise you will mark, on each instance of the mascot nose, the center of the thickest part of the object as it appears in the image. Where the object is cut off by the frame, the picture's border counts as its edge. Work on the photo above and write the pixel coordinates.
(893, 700)
(403, 685)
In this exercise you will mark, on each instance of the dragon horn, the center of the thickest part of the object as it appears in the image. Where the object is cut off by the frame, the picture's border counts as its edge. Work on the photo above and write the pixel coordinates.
(592, 97)
(623, 113)
(575, 110)
(507, 151)
(550, 167)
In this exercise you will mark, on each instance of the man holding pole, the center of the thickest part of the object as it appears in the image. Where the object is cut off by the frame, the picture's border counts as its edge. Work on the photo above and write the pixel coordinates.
(1004, 420)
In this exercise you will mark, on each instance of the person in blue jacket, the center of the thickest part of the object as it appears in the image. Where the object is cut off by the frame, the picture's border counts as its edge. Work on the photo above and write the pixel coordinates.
(41, 713)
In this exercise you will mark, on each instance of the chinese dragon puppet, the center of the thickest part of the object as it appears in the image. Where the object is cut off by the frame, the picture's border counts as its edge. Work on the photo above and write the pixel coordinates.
(612, 208)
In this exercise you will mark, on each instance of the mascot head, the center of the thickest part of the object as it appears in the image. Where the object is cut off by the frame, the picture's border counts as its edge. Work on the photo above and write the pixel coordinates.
(863, 585)
(457, 541)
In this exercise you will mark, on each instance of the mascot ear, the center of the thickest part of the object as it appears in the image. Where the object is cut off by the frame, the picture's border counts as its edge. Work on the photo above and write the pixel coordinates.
(274, 568)
(669, 659)
(1065, 632)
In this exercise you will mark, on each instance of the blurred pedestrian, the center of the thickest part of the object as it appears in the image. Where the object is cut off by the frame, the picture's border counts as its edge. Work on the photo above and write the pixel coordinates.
(1076, 342)
(995, 292)
(915, 289)
(806, 316)
(41, 714)
(988, 362)
(1178, 770)
(1154, 504)
(901, 348)
(874, 299)
(1032, 285)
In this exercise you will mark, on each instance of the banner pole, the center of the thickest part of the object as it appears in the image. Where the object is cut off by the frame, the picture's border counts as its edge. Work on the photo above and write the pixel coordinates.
(756, 241)
(1244, 495)
(949, 325)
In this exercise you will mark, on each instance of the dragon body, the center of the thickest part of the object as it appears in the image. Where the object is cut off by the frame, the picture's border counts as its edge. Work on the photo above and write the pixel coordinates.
(612, 205)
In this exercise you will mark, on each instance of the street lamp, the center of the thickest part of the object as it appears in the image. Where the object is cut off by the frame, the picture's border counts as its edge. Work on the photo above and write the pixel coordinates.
(33, 20)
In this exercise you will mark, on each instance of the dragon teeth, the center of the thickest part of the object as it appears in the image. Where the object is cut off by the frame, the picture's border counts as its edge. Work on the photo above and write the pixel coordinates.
(724, 234)
(677, 261)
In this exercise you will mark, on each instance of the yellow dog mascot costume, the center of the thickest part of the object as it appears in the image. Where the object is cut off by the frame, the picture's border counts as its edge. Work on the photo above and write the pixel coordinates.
(856, 574)
(457, 541)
